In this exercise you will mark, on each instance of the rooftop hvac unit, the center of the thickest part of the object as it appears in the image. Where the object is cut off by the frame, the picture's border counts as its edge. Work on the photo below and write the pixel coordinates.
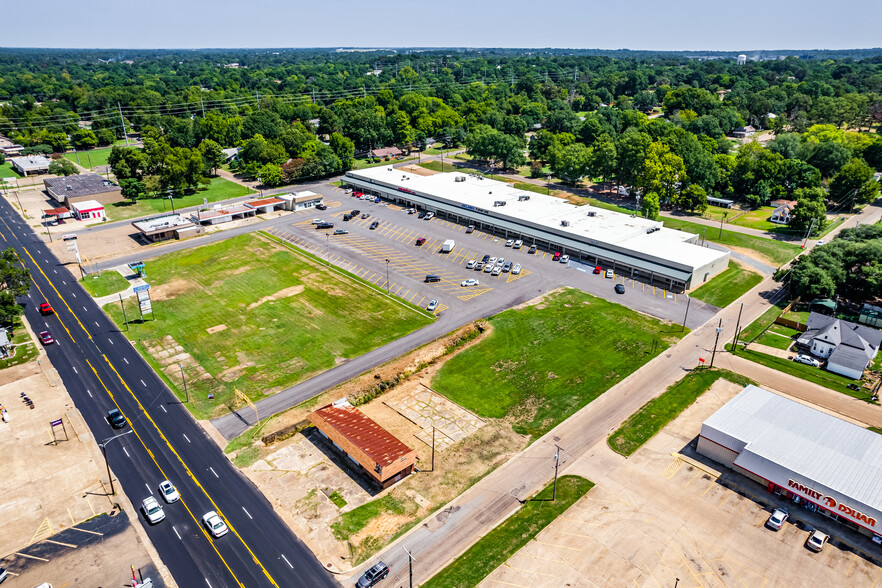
(564, 223)
(459, 179)
(522, 198)
(499, 202)
(592, 213)
(480, 177)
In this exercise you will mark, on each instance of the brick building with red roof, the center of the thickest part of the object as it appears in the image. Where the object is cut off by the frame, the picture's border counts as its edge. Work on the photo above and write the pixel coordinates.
(382, 455)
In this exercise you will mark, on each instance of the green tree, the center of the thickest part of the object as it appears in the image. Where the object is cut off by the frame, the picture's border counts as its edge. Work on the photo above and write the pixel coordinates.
(662, 173)
(810, 211)
(650, 205)
(570, 163)
(83, 139)
(9, 308)
(212, 155)
(603, 161)
(13, 277)
(854, 182)
(127, 162)
(132, 188)
(693, 198)
(270, 175)
(344, 148)
(63, 167)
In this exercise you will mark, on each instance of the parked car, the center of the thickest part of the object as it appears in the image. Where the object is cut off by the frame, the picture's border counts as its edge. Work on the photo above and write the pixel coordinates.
(215, 525)
(168, 492)
(489, 268)
(491, 261)
(372, 576)
(816, 540)
(321, 206)
(3, 575)
(471, 264)
(341, 232)
(776, 521)
(317, 221)
(347, 217)
(355, 213)
(518, 244)
(533, 249)
(365, 215)
(152, 511)
(429, 216)
(509, 243)
(507, 266)
(470, 229)
(433, 304)
(420, 241)
(116, 418)
(45, 309)
(500, 262)
(516, 269)
(565, 259)
(432, 278)
(470, 282)
(598, 270)
(610, 274)
(325, 225)
(375, 224)
(556, 256)
(46, 338)
(479, 266)
(485, 259)
(411, 211)
(422, 214)
(807, 360)
(496, 271)
(620, 288)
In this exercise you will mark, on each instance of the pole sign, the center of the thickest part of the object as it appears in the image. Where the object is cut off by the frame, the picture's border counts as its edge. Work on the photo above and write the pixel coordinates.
(143, 288)
(55, 423)
(69, 237)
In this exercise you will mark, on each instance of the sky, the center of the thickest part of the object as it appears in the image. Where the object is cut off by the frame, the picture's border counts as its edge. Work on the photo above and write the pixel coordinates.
(739, 25)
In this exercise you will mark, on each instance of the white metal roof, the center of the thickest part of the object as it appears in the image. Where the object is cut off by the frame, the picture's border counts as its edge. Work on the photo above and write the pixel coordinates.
(86, 205)
(816, 447)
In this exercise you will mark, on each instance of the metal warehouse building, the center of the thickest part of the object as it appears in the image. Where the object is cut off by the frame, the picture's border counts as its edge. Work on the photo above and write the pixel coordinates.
(633, 246)
(813, 458)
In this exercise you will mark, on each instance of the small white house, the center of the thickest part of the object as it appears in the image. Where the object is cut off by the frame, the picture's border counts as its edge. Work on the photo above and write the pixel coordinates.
(782, 213)
(88, 210)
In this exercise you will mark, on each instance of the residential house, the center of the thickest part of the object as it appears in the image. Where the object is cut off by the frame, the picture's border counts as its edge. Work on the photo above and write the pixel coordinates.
(742, 132)
(783, 211)
(386, 152)
(848, 347)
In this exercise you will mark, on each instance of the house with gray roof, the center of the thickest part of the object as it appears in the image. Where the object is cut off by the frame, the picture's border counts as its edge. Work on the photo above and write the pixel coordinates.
(78, 188)
(31, 164)
(848, 347)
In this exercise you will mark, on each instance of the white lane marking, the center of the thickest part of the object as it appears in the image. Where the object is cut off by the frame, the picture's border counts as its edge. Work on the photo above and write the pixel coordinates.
(55, 271)
(72, 294)
(89, 392)
(286, 561)
(187, 438)
(109, 339)
(126, 360)
(87, 310)
(143, 384)
(207, 582)
(248, 513)
(75, 370)
(176, 533)
(148, 488)
(213, 472)
(126, 452)
(63, 282)
(163, 409)
(96, 322)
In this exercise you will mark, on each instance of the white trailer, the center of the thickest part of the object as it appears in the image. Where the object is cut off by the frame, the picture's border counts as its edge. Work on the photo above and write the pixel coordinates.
(448, 246)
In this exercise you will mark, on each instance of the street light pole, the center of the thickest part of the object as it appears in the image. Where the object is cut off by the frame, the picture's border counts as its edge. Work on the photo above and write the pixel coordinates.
(184, 378)
(410, 559)
(688, 300)
(716, 340)
(556, 464)
(103, 445)
(387, 277)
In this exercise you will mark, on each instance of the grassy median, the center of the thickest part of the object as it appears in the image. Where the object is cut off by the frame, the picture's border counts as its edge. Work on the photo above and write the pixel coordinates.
(494, 549)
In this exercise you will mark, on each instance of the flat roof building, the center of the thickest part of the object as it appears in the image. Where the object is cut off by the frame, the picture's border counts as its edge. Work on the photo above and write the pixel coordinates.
(88, 210)
(77, 188)
(166, 226)
(30, 164)
(301, 200)
(634, 246)
(382, 455)
(801, 453)
(222, 214)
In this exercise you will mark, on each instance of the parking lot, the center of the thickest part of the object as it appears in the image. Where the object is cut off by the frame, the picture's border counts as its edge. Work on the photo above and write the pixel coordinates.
(390, 250)
(662, 518)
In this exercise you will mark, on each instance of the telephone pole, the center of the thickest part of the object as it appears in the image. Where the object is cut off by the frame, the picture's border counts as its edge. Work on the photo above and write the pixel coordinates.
(123, 121)
(410, 559)
(716, 340)
(737, 324)
(556, 464)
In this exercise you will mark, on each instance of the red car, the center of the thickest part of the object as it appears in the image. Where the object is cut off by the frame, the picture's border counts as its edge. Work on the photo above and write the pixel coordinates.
(46, 338)
(597, 269)
(420, 241)
(45, 308)
(556, 256)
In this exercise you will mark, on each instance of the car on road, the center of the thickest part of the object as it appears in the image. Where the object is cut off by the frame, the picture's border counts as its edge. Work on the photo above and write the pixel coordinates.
(46, 338)
(375, 224)
(168, 492)
(776, 521)
(215, 525)
(816, 540)
(429, 216)
(518, 244)
(479, 266)
(471, 264)
(533, 249)
(620, 288)
(610, 273)
(489, 268)
(420, 241)
(372, 576)
(807, 360)
(496, 271)
(365, 215)
(470, 282)
(46, 308)
(516, 269)
(341, 232)
(116, 418)
(556, 256)
(509, 243)
(507, 266)
(152, 511)
(819, 243)
(597, 270)
(470, 229)
(433, 304)
(565, 259)
(325, 225)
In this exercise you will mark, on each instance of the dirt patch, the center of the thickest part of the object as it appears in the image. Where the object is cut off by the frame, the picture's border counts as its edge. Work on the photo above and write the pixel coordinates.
(417, 170)
(284, 293)
(754, 254)
(217, 329)
(170, 290)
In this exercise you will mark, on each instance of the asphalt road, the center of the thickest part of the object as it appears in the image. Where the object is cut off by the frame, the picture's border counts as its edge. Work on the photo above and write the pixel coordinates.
(101, 370)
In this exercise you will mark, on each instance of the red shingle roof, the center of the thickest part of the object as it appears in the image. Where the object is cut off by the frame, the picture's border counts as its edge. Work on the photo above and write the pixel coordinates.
(375, 441)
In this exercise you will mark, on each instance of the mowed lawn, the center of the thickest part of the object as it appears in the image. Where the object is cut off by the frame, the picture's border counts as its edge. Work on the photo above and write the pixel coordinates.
(723, 289)
(775, 252)
(220, 189)
(91, 158)
(544, 362)
(7, 172)
(276, 318)
(108, 282)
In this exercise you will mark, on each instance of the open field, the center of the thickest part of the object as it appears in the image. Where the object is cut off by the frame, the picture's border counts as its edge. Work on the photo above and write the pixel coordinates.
(109, 282)
(776, 252)
(544, 362)
(6, 171)
(759, 219)
(728, 286)
(498, 545)
(220, 189)
(90, 159)
(658, 412)
(252, 315)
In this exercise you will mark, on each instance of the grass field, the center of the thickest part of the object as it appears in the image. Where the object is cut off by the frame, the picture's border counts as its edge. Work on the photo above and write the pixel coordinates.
(544, 362)
(109, 282)
(777, 252)
(658, 412)
(90, 159)
(25, 348)
(220, 189)
(765, 319)
(805, 372)
(728, 286)
(494, 548)
(256, 316)
(757, 219)
(7, 172)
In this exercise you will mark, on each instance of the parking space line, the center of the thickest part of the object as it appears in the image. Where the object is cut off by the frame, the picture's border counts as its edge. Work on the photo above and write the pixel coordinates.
(530, 571)
(556, 545)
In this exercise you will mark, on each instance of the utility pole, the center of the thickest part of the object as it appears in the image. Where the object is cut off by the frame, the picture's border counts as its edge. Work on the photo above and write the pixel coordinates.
(410, 559)
(722, 218)
(184, 379)
(556, 464)
(737, 324)
(103, 445)
(688, 300)
(125, 320)
(123, 121)
(202, 102)
(719, 330)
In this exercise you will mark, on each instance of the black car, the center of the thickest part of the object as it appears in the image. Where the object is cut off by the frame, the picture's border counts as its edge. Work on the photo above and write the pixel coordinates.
(355, 212)
(620, 288)
(532, 249)
(116, 419)
(347, 217)
(422, 214)
(373, 575)
(375, 224)
(433, 278)
(486, 258)
(321, 206)
(324, 225)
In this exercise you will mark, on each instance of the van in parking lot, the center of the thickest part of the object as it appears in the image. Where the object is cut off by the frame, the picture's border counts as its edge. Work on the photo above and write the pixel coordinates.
(433, 278)
(518, 244)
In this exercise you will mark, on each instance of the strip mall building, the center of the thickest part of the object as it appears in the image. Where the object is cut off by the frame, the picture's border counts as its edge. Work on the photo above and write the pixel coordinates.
(801, 453)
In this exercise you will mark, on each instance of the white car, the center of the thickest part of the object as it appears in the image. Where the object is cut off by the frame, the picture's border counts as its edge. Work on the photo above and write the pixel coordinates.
(517, 244)
(609, 273)
(168, 492)
(317, 221)
(820, 242)
(509, 243)
(500, 262)
(152, 510)
(565, 259)
(516, 269)
(429, 216)
(488, 268)
(491, 261)
(470, 282)
(776, 521)
(816, 540)
(433, 304)
(807, 360)
(471, 264)
(496, 271)
(215, 525)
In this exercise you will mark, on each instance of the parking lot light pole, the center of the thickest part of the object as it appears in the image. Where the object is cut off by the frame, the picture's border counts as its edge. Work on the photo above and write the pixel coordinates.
(688, 300)
(387, 277)
(103, 446)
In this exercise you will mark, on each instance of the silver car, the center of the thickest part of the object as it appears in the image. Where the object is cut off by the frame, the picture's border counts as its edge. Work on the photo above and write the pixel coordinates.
(152, 510)
(471, 264)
